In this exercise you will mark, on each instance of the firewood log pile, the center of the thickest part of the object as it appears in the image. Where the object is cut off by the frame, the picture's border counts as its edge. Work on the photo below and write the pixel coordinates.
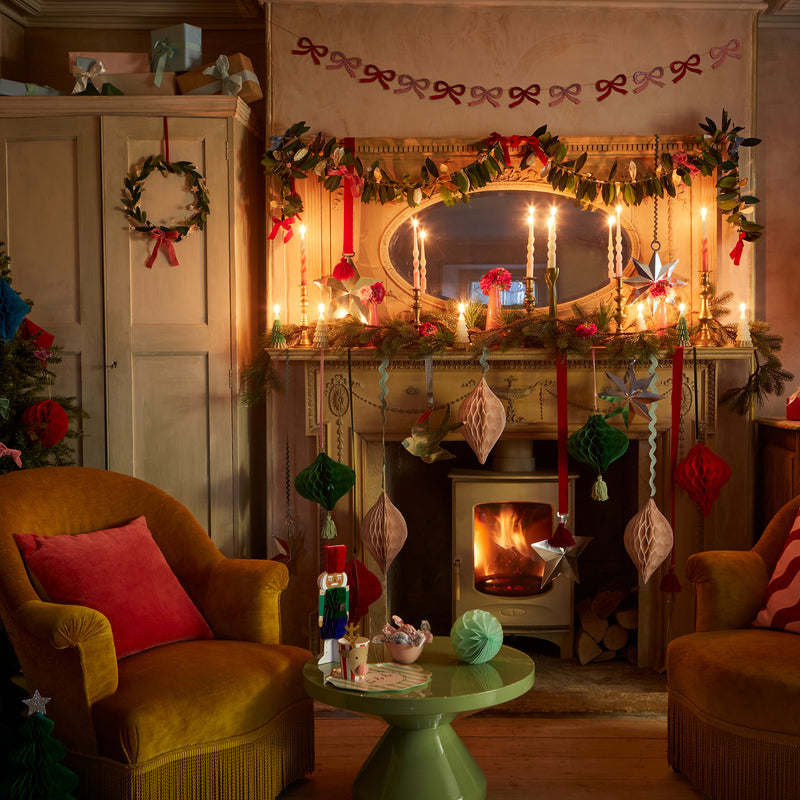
(607, 626)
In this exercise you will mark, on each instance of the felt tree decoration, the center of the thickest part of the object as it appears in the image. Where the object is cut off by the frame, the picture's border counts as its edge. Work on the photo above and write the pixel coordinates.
(703, 474)
(12, 311)
(365, 589)
(648, 539)
(484, 418)
(325, 481)
(597, 444)
(383, 531)
(45, 422)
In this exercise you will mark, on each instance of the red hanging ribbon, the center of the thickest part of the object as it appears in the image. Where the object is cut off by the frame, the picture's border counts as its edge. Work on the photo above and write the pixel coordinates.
(680, 68)
(307, 48)
(283, 224)
(373, 73)
(738, 248)
(614, 85)
(349, 143)
(354, 182)
(562, 411)
(163, 239)
(516, 141)
(670, 582)
(446, 90)
(519, 95)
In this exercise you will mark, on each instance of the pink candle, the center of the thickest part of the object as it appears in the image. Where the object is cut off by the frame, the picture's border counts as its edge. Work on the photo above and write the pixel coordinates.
(529, 266)
(704, 243)
(423, 264)
(415, 255)
(611, 221)
(303, 266)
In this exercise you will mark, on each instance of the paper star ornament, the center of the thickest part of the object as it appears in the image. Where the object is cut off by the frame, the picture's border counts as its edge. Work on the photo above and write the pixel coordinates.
(634, 394)
(37, 704)
(560, 560)
(653, 280)
(344, 294)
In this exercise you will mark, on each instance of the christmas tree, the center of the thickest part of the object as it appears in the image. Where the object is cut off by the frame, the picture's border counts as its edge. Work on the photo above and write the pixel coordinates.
(33, 771)
(36, 427)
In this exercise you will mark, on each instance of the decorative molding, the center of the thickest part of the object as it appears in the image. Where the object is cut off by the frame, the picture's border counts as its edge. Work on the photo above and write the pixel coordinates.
(646, 5)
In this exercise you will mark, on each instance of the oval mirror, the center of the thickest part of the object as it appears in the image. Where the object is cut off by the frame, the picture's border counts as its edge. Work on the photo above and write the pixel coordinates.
(465, 241)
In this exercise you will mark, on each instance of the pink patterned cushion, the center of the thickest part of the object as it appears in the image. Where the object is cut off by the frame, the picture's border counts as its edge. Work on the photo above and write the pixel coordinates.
(122, 573)
(782, 606)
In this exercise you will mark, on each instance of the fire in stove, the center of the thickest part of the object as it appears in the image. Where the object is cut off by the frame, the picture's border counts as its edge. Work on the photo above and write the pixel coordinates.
(505, 563)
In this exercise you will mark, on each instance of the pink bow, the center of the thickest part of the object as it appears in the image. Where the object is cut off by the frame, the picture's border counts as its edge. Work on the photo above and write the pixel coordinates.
(682, 160)
(680, 68)
(419, 85)
(163, 239)
(353, 180)
(518, 94)
(15, 454)
(560, 93)
(373, 73)
(614, 85)
(721, 53)
(340, 60)
(446, 90)
(480, 94)
(286, 225)
(308, 48)
(646, 78)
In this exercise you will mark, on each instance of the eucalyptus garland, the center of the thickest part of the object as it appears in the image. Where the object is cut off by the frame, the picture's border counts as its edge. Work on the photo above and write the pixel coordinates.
(716, 152)
(132, 196)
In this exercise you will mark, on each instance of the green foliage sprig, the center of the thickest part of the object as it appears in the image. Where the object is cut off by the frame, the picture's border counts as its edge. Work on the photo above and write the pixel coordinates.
(132, 195)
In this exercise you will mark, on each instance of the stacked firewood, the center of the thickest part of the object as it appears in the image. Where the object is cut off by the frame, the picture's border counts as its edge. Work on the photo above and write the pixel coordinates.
(607, 626)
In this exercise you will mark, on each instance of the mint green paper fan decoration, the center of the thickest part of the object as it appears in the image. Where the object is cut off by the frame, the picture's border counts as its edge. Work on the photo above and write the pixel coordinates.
(597, 444)
(476, 636)
(325, 481)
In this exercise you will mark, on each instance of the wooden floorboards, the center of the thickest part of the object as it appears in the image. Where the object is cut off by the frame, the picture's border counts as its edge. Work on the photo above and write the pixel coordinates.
(524, 758)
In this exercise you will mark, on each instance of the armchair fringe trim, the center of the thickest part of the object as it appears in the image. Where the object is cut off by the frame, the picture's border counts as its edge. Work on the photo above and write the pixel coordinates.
(728, 762)
(254, 766)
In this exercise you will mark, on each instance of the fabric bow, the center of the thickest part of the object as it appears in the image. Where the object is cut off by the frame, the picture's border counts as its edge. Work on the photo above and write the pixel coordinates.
(446, 90)
(353, 180)
(231, 84)
(605, 87)
(682, 160)
(516, 141)
(339, 60)
(561, 93)
(480, 94)
(16, 455)
(680, 68)
(721, 53)
(644, 79)
(307, 48)
(738, 248)
(83, 76)
(286, 225)
(419, 85)
(373, 73)
(519, 95)
(162, 52)
(163, 239)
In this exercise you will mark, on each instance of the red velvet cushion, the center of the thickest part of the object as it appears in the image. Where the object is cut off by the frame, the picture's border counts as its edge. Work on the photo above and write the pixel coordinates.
(121, 573)
(782, 604)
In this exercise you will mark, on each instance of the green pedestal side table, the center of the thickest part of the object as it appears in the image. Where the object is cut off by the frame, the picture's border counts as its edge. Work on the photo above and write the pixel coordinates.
(420, 756)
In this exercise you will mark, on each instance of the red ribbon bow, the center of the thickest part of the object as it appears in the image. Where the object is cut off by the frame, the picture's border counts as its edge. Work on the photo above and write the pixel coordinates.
(519, 95)
(680, 68)
(307, 48)
(285, 224)
(163, 239)
(446, 90)
(373, 73)
(721, 53)
(561, 93)
(480, 94)
(614, 85)
(353, 181)
(738, 248)
(340, 60)
(419, 85)
(644, 79)
(516, 141)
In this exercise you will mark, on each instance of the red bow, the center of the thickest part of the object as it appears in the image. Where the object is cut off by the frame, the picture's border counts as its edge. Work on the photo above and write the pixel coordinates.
(518, 94)
(736, 253)
(480, 94)
(340, 60)
(516, 141)
(682, 160)
(308, 48)
(614, 85)
(286, 224)
(373, 73)
(353, 180)
(680, 68)
(163, 239)
(419, 85)
(446, 90)
(646, 78)
(561, 93)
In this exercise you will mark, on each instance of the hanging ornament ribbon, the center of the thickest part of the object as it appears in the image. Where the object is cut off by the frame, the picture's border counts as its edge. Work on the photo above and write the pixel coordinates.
(163, 239)
(349, 179)
(738, 249)
(562, 536)
(383, 385)
(651, 427)
(345, 264)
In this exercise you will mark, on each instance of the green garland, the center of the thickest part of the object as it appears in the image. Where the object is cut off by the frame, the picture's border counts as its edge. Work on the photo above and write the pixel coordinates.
(132, 195)
(292, 157)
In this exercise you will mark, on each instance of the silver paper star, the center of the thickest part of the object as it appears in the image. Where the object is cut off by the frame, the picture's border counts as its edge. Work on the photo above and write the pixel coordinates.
(634, 396)
(37, 704)
(651, 275)
(560, 560)
(345, 294)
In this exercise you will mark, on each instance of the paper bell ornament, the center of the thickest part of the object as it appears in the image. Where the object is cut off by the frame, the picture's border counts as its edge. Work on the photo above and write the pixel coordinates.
(476, 636)
(13, 310)
(383, 532)
(325, 481)
(648, 539)
(484, 418)
(597, 444)
(702, 473)
(365, 588)
(45, 422)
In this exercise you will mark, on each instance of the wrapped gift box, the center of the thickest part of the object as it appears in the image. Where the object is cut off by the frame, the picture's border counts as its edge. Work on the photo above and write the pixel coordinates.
(18, 89)
(118, 63)
(178, 48)
(228, 75)
(793, 405)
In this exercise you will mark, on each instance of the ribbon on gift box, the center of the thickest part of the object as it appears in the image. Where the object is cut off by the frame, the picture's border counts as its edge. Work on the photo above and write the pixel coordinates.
(793, 405)
(225, 83)
(84, 76)
(162, 51)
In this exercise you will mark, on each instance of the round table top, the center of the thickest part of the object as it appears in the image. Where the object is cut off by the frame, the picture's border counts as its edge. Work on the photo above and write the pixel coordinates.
(455, 686)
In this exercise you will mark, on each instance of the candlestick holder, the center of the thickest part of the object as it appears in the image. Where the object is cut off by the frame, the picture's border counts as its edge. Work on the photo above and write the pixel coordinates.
(305, 340)
(550, 278)
(705, 336)
(530, 296)
(619, 314)
(416, 307)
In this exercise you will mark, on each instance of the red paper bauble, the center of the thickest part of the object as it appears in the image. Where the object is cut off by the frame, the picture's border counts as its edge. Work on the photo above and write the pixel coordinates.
(702, 473)
(45, 422)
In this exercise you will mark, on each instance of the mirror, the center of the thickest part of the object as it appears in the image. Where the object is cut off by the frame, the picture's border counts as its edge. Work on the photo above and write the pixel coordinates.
(465, 241)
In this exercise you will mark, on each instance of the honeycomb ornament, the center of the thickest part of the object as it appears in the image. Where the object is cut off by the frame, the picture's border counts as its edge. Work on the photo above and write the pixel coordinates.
(648, 539)
(383, 531)
(476, 636)
(597, 444)
(484, 418)
(703, 474)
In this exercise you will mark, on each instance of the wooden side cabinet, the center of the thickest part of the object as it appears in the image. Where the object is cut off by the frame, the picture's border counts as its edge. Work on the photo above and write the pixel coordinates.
(777, 466)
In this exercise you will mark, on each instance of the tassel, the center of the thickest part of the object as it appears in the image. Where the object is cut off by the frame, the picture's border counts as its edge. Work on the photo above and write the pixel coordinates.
(345, 269)
(562, 537)
(329, 528)
(670, 582)
(600, 489)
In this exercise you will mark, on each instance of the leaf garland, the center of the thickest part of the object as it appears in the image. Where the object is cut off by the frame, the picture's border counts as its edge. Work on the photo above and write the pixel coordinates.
(133, 189)
(716, 152)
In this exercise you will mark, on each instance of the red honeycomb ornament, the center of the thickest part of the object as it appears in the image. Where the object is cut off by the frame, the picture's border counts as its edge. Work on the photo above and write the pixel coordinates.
(45, 422)
(702, 473)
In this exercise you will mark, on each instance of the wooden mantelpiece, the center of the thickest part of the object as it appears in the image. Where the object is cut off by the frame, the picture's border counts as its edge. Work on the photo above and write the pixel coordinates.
(525, 380)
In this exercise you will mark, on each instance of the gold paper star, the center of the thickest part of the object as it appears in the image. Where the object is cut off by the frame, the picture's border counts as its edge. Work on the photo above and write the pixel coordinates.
(37, 704)
(560, 560)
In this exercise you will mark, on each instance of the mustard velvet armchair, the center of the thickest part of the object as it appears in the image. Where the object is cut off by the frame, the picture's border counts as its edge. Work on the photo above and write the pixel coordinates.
(213, 719)
(734, 690)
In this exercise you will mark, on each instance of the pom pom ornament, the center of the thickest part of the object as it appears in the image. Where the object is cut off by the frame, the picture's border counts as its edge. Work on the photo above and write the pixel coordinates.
(597, 444)
(702, 473)
(325, 481)
(383, 531)
(648, 539)
(45, 422)
(476, 636)
(484, 418)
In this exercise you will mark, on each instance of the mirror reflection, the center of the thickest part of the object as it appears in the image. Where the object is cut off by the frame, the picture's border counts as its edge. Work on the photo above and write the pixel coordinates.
(465, 241)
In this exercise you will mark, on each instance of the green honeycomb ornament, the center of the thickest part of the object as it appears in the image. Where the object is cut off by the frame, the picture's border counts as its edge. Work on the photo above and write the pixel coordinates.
(597, 444)
(325, 481)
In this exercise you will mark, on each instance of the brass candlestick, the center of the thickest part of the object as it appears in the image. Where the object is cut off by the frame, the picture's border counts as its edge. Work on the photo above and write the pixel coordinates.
(305, 340)
(550, 278)
(530, 296)
(705, 337)
(416, 307)
(619, 314)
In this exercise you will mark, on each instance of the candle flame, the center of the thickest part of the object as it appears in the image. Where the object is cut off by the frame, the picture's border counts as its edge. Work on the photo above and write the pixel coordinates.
(460, 308)
(303, 231)
(681, 307)
(619, 210)
(703, 213)
(743, 308)
(322, 309)
(277, 309)
(414, 221)
(422, 234)
(611, 220)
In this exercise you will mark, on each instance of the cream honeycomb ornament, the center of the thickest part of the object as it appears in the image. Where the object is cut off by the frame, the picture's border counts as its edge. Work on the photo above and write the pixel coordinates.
(484, 418)
(383, 531)
(648, 539)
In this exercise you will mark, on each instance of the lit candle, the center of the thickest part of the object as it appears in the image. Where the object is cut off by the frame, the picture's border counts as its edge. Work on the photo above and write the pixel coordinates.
(415, 254)
(423, 271)
(278, 339)
(551, 240)
(611, 221)
(529, 268)
(303, 270)
(321, 331)
(640, 323)
(743, 338)
(619, 243)
(462, 334)
(704, 243)
(277, 313)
